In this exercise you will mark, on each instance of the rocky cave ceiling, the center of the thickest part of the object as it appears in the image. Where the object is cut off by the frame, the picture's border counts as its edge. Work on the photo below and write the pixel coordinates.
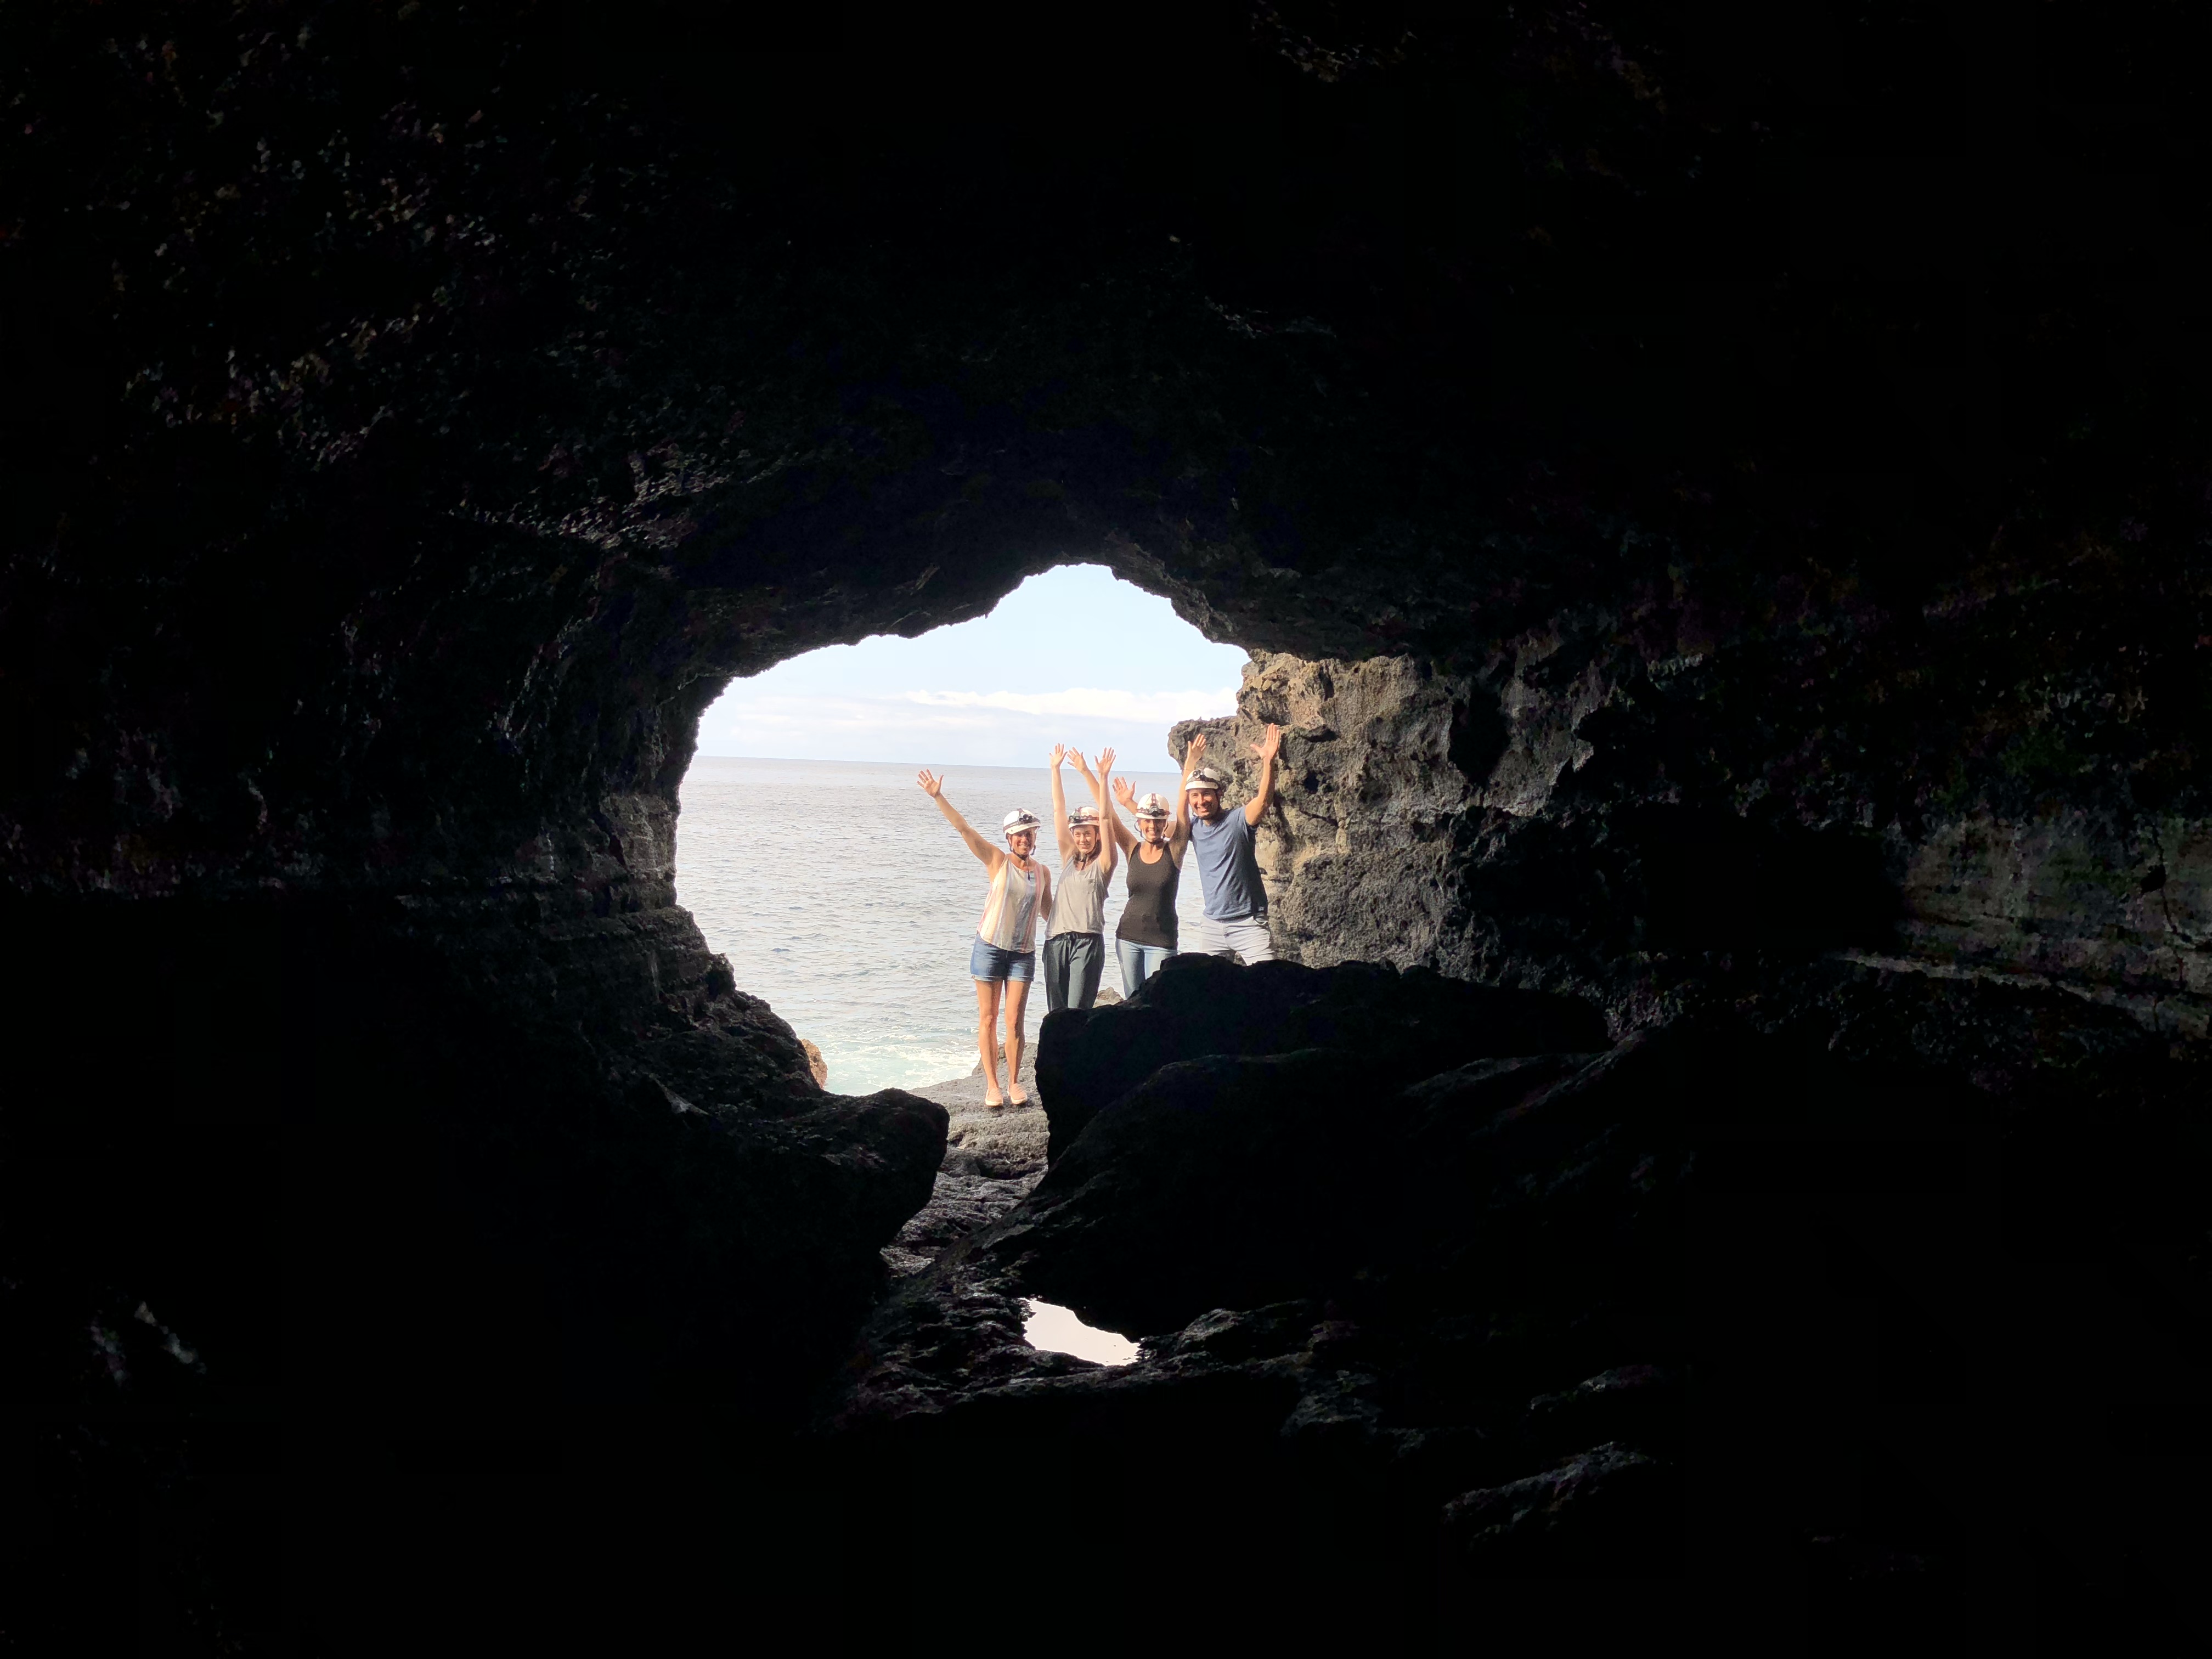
(463, 397)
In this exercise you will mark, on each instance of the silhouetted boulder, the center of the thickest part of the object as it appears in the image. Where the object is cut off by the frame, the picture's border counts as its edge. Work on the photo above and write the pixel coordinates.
(1234, 1181)
(1400, 1025)
(1230, 1182)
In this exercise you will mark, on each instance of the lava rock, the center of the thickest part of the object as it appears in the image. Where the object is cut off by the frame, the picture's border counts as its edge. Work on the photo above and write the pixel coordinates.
(1639, 1404)
(959, 1204)
(1610, 1511)
(1218, 1182)
(432, 407)
(1402, 1025)
(1483, 1295)
(1004, 1142)
(1236, 1181)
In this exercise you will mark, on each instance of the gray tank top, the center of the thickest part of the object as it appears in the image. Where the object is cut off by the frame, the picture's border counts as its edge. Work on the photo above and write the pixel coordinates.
(1079, 899)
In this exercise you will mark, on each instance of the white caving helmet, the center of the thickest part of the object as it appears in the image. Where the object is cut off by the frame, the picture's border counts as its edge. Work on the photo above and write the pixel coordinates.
(1154, 805)
(1207, 778)
(1020, 819)
(1079, 816)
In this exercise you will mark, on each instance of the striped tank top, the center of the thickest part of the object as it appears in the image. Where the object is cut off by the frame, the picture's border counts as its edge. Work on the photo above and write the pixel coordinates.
(1010, 911)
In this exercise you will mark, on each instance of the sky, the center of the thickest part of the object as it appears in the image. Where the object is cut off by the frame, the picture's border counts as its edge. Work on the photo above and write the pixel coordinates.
(1075, 655)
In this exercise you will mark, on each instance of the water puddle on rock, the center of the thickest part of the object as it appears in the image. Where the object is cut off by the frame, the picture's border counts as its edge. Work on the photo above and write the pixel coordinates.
(1057, 1330)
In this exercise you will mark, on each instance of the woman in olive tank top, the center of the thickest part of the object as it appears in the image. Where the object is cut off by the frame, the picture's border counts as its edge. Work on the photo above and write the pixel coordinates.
(1146, 937)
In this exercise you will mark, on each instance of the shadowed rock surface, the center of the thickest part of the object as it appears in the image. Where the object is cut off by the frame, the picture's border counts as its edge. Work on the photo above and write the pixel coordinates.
(1453, 1324)
(992, 1160)
(1721, 514)
(1396, 1026)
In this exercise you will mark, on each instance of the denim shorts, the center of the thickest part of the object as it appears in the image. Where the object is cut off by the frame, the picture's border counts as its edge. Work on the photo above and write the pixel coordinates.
(987, 960)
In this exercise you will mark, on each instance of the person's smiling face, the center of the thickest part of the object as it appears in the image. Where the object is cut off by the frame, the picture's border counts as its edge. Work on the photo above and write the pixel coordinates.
(1205, 803)
(1021, 843)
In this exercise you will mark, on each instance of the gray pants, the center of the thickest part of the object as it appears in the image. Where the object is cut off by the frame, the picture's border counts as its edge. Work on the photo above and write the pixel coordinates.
(1072, 964)
(1246, 937)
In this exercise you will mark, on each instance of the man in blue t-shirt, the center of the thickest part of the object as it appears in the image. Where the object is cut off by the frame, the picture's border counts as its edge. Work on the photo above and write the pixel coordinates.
(1236, 912)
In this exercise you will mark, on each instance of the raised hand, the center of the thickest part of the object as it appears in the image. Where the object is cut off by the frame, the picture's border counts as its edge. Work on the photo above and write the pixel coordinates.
(1059, 754)
(1271, 745)
(1125, 791)
(930, 785)
(1197, 748)
(1076, 755)
(1105, 762)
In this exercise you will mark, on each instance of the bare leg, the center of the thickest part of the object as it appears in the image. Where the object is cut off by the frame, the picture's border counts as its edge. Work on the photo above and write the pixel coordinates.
(987, 1036)
(1017, 997)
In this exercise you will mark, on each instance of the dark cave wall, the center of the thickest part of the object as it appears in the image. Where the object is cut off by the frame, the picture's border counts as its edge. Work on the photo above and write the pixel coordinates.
(436, 411)
(1694, 523)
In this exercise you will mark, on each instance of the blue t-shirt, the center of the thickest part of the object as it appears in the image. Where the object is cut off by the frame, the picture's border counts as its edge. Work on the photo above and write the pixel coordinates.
(1228, 873)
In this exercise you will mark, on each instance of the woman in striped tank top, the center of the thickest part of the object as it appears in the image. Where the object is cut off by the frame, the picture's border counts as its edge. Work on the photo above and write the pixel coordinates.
(1002, 961)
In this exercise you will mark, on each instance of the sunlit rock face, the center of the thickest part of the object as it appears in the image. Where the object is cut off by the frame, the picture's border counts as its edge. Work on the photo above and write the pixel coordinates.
(1979, 789)
(1702, 565)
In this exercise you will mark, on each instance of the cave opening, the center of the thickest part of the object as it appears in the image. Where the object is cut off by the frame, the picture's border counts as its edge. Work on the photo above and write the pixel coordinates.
(816, 868)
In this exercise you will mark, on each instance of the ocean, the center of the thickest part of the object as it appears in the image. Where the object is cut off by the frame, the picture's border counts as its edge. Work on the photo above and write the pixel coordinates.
(842, 898)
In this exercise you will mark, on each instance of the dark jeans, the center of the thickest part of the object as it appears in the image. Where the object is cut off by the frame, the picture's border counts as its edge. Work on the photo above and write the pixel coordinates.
(1072, 964)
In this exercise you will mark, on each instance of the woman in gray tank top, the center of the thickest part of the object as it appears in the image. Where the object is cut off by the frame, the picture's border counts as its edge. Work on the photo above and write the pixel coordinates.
(1146, 937)
(1075, 938)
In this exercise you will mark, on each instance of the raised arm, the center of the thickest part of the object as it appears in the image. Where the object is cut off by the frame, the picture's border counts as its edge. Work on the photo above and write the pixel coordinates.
(1060, 802)
(934, 789)
(1193, 751)
(1126, 793)
(1267, 749)
(1109, 853)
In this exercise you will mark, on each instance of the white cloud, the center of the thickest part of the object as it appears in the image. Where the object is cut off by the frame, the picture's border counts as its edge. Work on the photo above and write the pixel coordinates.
(1091, 703)
(823, 714)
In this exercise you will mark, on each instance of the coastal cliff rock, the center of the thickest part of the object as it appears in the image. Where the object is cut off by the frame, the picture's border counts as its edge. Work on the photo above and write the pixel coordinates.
(1576, 809)
(1381, 757)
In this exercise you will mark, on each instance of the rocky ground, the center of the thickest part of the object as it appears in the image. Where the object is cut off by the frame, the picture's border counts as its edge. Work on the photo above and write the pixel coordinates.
(1711, 1312)
(993, 1159)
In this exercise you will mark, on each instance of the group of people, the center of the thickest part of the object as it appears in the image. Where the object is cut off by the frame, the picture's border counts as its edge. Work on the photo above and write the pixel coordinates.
(1093, 843)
